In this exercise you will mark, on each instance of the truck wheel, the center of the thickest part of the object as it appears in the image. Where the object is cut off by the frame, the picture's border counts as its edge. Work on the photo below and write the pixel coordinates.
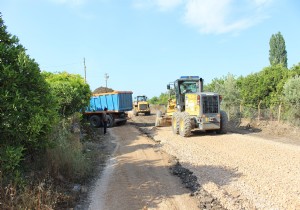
(175, 123)
(110, 121)
(185, 125)
(223, 124)
(95, 121)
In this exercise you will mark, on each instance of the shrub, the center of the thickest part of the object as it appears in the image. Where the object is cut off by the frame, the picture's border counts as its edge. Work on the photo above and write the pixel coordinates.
(71, 92)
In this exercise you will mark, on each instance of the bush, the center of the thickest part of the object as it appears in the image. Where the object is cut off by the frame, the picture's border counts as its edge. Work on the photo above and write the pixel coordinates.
(27, 107)
(291, 91)
(70, 90)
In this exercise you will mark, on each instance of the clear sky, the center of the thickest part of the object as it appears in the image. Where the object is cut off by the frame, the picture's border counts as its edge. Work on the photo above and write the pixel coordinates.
(145, 44)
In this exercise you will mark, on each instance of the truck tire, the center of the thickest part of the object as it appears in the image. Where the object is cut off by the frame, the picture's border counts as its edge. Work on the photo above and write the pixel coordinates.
(223, 124)
(185, 125)
(95, 121)
(110, 121)
(175, 122)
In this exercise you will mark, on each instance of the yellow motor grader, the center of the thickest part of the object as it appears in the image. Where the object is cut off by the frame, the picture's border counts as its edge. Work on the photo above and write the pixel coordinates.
(192, 109)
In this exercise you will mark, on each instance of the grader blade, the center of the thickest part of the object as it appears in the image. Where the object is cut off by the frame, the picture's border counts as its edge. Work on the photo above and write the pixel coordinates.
(163, 121)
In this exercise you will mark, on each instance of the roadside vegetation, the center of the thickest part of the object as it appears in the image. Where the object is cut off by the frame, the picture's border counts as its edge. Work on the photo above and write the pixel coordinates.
(40, 144)
(272, 93)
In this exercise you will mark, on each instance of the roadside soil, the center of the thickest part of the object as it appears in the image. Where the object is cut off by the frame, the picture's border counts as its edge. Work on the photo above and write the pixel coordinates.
(251, 167)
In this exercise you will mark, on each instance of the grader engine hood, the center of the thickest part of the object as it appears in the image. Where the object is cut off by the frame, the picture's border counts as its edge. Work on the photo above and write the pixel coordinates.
(192, 105)
(198, 104)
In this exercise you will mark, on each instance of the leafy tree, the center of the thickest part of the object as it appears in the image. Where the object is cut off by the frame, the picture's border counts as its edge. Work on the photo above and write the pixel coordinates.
(71, 92)
(27, 107)
(295, 70)
(291, 92)
(227, 87)
(214, 85)
(154, 100)
(277, 52)
(264, 87)
(162, 99)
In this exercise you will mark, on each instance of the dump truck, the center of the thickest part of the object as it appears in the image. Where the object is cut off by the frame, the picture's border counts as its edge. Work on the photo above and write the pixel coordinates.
(141, 105)
(117, 104)
(192, 108)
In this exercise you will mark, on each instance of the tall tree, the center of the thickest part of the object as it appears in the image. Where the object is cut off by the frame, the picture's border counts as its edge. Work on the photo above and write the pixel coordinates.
(277, 52)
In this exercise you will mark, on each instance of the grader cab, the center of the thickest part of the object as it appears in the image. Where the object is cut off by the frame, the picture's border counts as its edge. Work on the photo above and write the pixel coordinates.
(194, 109)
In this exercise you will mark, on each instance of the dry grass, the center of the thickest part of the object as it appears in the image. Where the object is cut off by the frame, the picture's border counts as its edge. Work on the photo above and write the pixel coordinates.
(48, 178)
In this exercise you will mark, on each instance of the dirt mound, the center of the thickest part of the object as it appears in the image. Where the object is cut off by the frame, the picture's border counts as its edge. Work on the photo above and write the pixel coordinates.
(102, 90)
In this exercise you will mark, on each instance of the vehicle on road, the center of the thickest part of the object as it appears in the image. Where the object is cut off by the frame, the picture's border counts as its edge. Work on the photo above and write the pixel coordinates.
(192, 109)
(117, 104)
(141, 105)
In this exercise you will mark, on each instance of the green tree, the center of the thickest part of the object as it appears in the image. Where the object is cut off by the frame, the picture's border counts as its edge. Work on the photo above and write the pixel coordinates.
(162, 99)
(291, 92)
(27, 107)
(277, 52)
(264, 87)
(71, 92)
(295, 70)
(227, 87)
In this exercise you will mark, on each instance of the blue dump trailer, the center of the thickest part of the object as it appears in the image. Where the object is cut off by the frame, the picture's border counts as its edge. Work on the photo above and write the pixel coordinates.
(117, 104)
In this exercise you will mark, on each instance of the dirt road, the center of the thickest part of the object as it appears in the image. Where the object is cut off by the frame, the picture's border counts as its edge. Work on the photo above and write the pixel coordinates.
(239, 171)
(138, 177)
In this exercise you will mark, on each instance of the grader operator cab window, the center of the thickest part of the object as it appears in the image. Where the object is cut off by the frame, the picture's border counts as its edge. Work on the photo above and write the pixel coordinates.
(188, 87)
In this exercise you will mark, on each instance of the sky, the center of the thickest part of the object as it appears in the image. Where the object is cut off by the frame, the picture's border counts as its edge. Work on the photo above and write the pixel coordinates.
(143, 45)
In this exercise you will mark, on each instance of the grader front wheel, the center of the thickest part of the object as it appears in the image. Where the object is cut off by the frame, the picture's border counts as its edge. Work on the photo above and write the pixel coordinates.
(185, 125)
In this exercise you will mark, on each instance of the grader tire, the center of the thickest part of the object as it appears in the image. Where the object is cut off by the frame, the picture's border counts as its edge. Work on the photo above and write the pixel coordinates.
(224, 123)
(185, 125)
(175, 123)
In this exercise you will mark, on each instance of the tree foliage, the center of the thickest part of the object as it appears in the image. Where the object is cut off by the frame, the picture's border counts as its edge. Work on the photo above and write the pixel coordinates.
(27, 107)
(162, 99)
(264, 87)
(70, 90)
(277, 52)
(291, 92)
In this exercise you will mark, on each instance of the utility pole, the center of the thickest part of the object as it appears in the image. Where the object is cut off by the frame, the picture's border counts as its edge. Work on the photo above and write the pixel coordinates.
(84, 70)
(106, 78)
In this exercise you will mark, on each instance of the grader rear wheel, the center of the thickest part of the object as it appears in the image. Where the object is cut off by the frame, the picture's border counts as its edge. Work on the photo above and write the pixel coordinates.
(185, 125)
(175, 123)
(224, 123)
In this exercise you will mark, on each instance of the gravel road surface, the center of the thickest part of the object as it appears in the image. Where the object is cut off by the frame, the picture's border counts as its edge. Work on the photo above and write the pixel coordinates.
(237, 171)
(138, 177)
